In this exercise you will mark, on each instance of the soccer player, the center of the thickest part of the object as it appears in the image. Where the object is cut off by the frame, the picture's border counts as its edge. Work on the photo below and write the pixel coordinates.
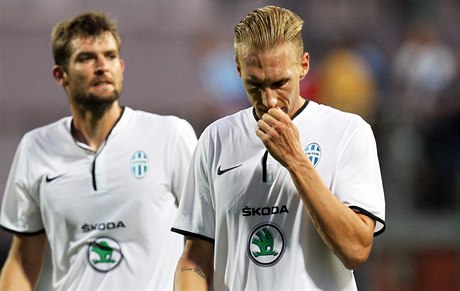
(287, 194)
(102, 186)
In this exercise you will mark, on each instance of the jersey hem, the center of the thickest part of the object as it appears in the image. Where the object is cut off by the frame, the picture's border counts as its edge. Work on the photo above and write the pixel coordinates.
(196, 235)
(22, 233)
(367, 213)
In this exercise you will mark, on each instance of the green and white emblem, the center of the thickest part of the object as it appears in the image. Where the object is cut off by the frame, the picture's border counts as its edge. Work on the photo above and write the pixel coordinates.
(266, 244)
(104, 254)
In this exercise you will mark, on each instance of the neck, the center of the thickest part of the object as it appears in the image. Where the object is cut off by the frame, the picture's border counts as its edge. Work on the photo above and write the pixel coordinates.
(93, 126)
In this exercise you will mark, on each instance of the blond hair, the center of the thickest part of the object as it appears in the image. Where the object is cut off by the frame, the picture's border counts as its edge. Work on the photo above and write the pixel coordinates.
(268, 27)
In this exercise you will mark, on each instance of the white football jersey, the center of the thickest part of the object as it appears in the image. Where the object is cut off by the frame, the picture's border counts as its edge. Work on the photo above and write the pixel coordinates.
(243, 200)
(106, 214)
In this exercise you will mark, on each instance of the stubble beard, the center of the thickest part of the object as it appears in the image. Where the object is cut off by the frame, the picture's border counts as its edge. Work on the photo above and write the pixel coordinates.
(95, 104)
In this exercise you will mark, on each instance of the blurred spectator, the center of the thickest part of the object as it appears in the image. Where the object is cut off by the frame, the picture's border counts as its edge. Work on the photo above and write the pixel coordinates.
(425, 93)
(423, 67)
(219, 85)
(346, 82)
(378, 64)
(218, 75)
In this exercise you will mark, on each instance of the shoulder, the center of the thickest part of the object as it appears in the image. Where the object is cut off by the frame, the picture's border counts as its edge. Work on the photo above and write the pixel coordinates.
(156, 120)
(330, 116)
(47, 133)
(41, 143)
(149, 126)
(233, 122)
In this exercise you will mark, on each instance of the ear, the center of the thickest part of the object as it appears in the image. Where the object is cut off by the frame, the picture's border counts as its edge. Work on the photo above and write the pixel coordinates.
(305, 65)
(238, 68)
(122, 64)
(60, 75)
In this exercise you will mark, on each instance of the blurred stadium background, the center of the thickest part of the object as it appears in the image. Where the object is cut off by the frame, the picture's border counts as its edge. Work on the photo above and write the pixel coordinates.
(394, 62)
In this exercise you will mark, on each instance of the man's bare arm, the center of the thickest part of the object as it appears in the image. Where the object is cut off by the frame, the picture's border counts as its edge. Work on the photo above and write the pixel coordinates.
(195, 267)
(23, 264)
(347, 233)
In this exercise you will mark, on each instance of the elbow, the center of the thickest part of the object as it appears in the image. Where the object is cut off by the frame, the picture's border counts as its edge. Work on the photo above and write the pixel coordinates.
(355, 257)
(354, 263)
(355, 253)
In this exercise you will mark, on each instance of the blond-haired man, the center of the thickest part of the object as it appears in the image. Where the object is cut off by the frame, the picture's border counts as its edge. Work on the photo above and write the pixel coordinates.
(287, 194)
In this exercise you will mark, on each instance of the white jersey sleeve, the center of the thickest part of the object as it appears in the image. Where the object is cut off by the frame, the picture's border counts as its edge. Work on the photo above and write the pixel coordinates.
(20, 210)
(359, 184)
(187, 222)
(181, 154)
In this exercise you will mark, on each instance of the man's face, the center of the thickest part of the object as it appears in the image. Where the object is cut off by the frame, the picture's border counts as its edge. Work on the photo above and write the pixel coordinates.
(95, 71)
(272, 77)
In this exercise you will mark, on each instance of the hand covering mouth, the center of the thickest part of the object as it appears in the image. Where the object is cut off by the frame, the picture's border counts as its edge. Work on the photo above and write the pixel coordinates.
(264, 109)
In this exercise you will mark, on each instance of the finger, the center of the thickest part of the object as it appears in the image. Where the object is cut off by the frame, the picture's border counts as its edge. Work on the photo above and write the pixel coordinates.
(276, 125)
(265, 138)
(261, 134)
(270, 120)
(277, 114)
(266, 127)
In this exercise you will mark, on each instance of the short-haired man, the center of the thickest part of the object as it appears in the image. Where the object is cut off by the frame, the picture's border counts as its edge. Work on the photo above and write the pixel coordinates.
(102, 186)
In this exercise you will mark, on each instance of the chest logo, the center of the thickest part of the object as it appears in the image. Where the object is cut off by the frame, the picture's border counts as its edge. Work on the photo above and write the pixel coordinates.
(139, 164)
(221, 171)
(266, 244)
(104, 254)
(313, 151)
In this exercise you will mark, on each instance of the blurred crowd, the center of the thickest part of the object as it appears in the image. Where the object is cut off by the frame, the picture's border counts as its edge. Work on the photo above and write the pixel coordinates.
(412, 100)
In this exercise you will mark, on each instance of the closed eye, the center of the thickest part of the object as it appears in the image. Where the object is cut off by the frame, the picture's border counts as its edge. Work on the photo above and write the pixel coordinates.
(253, 86)
(279, 84)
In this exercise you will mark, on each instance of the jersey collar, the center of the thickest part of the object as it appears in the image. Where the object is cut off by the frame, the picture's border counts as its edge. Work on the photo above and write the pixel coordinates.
(116, 125)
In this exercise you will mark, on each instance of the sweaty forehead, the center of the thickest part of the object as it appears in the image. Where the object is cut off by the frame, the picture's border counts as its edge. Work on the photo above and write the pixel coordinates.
(280, 55)
(267, 73)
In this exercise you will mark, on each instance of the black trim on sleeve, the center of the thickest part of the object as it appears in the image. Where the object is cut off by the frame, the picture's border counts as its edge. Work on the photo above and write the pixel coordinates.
(187, 233)
(22, 233)
(367, 213)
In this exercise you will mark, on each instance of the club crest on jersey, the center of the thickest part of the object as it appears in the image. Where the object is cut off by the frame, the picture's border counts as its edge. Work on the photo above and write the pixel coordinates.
(313, 151)
(139, 164)
(104, 254)
(266, 244)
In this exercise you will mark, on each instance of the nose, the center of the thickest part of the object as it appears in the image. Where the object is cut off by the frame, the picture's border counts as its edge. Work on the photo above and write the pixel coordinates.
(101, 66)
(269, 98)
